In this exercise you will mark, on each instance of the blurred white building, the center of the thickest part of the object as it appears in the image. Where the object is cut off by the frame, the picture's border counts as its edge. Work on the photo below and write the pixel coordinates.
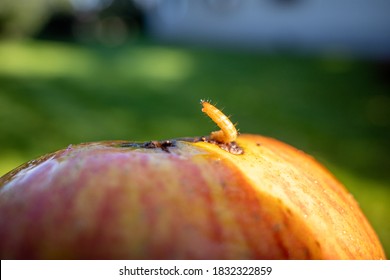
(353, 26)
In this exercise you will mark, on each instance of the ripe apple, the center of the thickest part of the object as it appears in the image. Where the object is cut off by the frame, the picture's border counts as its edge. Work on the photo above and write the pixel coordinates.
(255, 198)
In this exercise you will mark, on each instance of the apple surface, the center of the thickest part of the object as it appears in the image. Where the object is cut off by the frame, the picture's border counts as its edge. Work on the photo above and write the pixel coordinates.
(181, 199)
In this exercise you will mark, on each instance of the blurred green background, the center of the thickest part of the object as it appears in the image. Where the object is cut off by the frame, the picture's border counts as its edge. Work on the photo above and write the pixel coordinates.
(57, 89)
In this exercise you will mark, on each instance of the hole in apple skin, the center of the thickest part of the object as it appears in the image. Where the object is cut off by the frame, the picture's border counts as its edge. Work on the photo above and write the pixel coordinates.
(231, 147)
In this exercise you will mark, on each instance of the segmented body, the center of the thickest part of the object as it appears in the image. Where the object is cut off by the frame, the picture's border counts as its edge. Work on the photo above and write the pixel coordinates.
(228, 132)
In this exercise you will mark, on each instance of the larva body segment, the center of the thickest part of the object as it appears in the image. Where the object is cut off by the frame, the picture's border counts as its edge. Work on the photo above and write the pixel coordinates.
(228, 132)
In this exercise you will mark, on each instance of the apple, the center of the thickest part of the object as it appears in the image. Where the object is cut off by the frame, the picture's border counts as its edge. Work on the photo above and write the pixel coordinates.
(252, 198)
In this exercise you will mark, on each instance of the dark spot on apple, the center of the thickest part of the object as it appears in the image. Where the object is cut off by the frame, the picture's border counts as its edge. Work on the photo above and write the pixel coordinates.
(163, 145)
(231, 147)
(151, 145)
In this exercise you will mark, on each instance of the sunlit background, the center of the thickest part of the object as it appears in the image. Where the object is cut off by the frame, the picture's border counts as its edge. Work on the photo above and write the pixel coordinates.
(312, 73)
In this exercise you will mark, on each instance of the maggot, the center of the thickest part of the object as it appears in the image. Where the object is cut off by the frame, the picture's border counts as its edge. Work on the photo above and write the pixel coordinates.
(228, 132)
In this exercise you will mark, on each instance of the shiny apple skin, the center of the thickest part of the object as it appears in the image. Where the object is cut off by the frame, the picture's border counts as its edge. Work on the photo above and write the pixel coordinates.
(185, 200)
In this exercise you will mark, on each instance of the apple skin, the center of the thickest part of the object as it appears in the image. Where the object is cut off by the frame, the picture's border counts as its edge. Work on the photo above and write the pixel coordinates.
(180, 200)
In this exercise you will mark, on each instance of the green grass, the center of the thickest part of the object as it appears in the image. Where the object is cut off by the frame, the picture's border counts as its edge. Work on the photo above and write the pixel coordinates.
(53, 95)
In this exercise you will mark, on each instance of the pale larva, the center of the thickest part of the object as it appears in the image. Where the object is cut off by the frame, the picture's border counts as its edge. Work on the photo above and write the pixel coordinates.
(228, 132)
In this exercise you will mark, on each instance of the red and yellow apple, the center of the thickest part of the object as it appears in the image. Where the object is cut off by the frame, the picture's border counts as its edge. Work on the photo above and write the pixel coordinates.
(180, 199)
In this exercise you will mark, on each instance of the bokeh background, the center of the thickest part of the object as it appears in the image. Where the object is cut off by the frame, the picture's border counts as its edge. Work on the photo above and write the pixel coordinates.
(312, 73)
